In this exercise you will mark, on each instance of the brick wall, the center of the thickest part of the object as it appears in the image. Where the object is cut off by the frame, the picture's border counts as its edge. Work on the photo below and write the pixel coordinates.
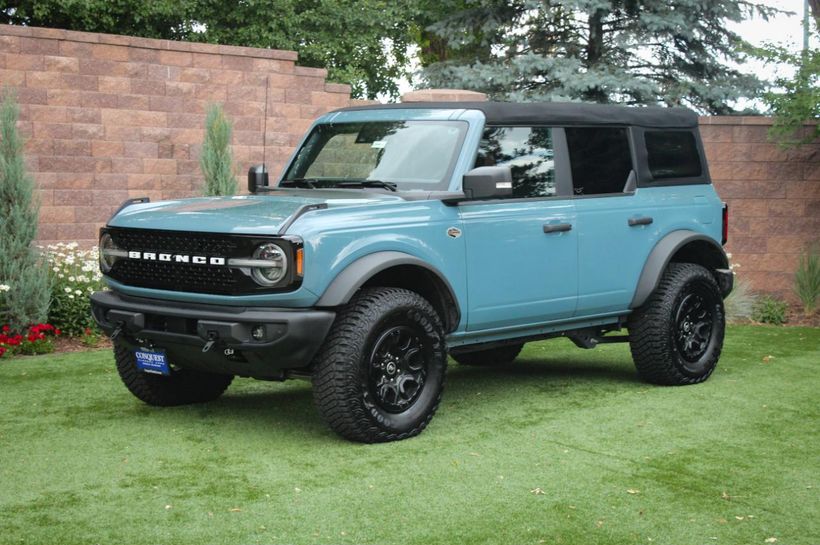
(773, 196)
(111, 117)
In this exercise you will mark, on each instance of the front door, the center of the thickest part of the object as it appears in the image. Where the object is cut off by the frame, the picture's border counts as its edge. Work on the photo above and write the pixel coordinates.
(522, 251)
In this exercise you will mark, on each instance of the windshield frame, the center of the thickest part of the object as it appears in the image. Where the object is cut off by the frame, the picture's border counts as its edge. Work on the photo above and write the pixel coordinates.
(290, 172)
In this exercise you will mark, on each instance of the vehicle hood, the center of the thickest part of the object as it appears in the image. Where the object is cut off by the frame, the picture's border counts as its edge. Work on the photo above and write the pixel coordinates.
(247, 214)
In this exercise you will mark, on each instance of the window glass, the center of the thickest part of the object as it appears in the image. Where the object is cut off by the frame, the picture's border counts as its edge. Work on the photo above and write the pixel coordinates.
(672, 154)
(410, 154)
(599, 158)
(528, 151)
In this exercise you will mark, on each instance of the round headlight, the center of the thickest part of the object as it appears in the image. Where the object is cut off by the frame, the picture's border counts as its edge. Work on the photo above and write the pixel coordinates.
(269, 276)
(109, 253)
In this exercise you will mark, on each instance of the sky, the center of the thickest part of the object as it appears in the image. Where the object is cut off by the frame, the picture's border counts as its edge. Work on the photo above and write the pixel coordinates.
(783, 30)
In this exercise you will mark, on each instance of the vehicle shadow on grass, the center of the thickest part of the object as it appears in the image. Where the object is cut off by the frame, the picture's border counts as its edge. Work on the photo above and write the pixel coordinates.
(289, 408)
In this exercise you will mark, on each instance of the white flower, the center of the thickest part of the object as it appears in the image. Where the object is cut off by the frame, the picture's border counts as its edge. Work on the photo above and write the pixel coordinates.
(4, 287)
(71, 279)
(56, 269)
(67, 290)
(61, 276)
(78, 292)
(71, 297)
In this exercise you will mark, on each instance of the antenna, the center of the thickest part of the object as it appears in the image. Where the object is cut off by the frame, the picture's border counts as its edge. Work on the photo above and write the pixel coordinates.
(265, 126)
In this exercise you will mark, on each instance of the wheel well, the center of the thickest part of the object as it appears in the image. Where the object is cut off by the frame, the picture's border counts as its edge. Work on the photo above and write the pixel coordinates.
(701, 252)
(425, 283)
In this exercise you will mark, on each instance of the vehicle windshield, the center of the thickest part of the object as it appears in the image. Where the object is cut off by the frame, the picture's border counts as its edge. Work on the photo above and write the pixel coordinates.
(403, 155)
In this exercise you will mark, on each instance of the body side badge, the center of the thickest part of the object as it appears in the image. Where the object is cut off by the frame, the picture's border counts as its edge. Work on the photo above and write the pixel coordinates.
(453, 232)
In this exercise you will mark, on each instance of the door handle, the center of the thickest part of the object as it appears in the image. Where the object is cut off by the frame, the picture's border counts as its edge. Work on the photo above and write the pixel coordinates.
(644, 220)
(557, 227)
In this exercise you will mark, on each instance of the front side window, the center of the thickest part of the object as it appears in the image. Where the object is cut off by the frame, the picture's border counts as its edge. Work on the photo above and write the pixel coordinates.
(599, 158)
(529, 153)
(409, 154)
(672, 154)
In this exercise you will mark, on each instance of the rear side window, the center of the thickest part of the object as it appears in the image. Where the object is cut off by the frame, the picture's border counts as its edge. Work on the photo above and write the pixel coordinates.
(672, 154)
(599, 158)
(528, 151)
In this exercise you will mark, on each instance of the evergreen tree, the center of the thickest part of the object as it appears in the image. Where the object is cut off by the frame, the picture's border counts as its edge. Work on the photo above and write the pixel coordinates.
(21, 266)
(216, 159)
(677, 52)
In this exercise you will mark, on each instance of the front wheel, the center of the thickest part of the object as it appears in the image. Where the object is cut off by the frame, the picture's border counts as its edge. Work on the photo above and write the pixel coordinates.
(182, 387)
(677, 335)
(379, 375)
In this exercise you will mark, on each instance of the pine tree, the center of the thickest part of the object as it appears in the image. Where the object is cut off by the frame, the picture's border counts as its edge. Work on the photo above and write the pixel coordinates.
(21, 266)
(676, 52)
(216, 160)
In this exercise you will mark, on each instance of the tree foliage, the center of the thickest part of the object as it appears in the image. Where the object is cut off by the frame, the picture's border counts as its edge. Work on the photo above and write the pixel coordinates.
(678, 52)
(21, 269)
(361, 42)
(795, 100)
(216, 159)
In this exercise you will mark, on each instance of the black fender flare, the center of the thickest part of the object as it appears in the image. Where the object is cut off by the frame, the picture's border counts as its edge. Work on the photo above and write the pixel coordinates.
(661, 255)
(354, 276)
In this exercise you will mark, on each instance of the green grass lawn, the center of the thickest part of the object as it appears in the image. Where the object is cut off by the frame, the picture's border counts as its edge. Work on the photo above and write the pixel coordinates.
(565, 446)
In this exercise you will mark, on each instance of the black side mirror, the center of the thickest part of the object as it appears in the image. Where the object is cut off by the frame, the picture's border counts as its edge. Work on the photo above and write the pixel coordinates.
(488, 182)
(257, 177)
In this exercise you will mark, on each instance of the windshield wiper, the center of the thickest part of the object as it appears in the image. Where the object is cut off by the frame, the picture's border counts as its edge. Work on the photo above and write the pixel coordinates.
(368, 183)
(310, 183)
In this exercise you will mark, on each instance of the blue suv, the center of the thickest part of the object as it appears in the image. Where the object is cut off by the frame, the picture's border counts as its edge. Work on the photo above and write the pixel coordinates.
(399, 234)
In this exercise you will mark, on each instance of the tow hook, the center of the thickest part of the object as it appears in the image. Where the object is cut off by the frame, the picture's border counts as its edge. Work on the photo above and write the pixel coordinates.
(212, 338)
(117, 331)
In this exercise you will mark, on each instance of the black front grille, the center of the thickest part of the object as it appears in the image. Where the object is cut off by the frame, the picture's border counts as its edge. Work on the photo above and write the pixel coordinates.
(190, 277)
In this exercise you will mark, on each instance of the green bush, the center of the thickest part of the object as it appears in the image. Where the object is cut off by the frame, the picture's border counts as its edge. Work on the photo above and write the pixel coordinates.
(216, 160)
(769, 310)
(75, 275)
(807, 280)
(25, 297)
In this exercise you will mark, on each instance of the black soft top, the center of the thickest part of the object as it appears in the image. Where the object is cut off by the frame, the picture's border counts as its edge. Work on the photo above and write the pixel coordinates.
(558, 113)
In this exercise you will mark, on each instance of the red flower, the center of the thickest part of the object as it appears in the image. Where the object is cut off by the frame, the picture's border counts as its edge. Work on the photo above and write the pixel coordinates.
(2, 351)
(6, 329)
(58, 332)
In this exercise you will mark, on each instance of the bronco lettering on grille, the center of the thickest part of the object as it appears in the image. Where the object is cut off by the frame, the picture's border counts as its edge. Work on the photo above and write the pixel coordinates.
(176, 258)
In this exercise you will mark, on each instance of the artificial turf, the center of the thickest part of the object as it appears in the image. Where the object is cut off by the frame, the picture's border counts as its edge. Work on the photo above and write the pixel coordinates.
(564, 446)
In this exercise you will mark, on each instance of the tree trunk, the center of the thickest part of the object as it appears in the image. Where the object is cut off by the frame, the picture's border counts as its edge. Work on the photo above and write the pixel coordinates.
(595, 53)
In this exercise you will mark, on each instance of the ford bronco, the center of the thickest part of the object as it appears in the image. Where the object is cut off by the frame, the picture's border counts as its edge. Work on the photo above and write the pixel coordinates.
(399, 234)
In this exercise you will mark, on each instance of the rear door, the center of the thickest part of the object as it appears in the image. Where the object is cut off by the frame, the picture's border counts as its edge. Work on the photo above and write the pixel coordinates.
(522, 251)
(616, 223)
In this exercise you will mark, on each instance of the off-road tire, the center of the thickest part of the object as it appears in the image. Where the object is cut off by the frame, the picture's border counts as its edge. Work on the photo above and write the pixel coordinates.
(343, 369)
(656, 327)
(182, 387)
(498, 356)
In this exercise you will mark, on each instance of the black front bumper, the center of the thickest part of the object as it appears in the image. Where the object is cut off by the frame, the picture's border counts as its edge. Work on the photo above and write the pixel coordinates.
(290, 337)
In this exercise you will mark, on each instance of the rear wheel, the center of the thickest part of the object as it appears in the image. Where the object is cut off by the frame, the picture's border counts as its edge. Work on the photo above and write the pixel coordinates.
(499, 356)
(181, 387)
(379, 375)
(677, 335)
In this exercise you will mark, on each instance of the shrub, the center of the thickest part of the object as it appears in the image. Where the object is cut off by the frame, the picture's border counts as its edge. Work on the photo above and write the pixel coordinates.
(807, 280)
(769, 310)
(740, 303)
(75, 275)
(216, 160)
(26, 301)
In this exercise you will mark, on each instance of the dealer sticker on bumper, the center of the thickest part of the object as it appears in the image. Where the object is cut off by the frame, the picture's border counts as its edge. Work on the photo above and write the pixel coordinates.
(152, 361)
